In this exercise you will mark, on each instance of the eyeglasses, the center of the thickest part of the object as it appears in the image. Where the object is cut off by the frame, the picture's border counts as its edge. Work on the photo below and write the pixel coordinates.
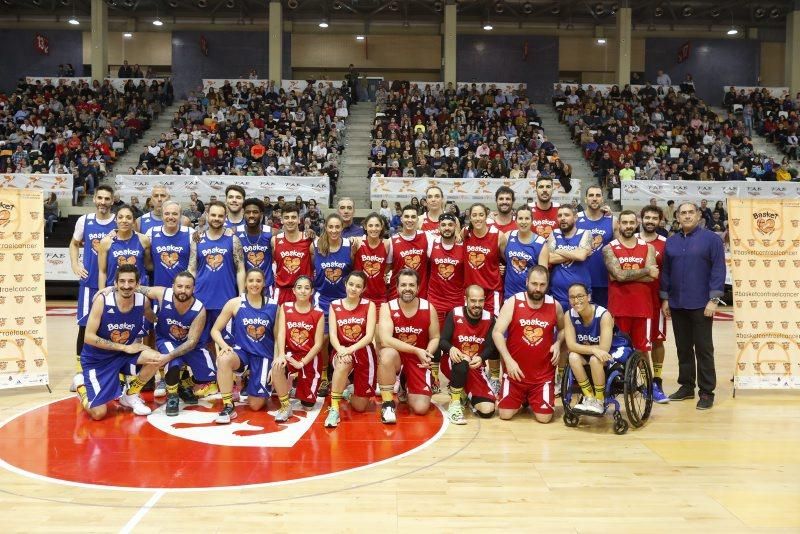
(578, 298)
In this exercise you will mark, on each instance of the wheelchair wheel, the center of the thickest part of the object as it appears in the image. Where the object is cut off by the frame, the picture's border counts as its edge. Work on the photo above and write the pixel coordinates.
(620, 425)
(570, 397)
(571, 419)
(638, 389)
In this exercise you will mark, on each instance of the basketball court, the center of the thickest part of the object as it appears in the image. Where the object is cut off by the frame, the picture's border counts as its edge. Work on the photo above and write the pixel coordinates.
(733, 468)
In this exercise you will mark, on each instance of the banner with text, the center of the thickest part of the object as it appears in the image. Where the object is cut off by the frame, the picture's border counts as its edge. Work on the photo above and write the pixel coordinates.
(463, 189)
(23, 328)
(765, 250)
(181, 186)
(57, 266)
(286, 85)
(638, 192)
(60, 184)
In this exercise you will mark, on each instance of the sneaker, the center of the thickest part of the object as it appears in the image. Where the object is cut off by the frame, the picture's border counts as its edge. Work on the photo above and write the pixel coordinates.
(494, 383)
(77, 380)
(584, 406)
(388, 417)
(348, 392)
(324, 388)
(243, 395)
(456, 414)
(135, 403)
(658, 395)
(332, 421)
(227, 415)
(596, 406)
(435, 388)
(283, 414)
(402, 395)
(706, 401)
(161, 389)
(683, 393)
(206, 390)
(187, 396)
(173, 405)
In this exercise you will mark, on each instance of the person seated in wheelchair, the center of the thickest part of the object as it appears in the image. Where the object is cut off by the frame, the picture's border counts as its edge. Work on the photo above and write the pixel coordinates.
(593, 339)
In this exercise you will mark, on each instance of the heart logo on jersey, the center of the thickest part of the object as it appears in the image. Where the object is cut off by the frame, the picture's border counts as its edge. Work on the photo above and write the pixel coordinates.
(446, 270)
(291, 264)
(412, 261)
(126, 260)
(543, 230)
(299, 336)
(470, 349)
(533, 335)
(333, 274)
(519, 265)
(178, 332)
(214, 261)
(352, 331)
(372, 268)
(597, 241)
(628, 266)
(169, 259)
(95, 245)
(255, 258)
(477, 259)
(120, 336)
(256, 331)
(411, 339)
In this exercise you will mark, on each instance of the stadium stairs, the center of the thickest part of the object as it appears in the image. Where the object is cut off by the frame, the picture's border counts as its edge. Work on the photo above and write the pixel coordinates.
(353, 181)
(558, 134)
(163, 124)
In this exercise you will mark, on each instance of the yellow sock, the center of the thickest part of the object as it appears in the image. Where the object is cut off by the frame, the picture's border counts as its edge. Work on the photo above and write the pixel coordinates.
(172, 389)
(335, 398)
(455, 394)
(227, 399)
(657, 369)
(187, 382)
(387, 393)
(494, 369)
(135, 386)
(284, 400)
(82, 394)
(586, 388)
(559, 373)
(600, 392)
(435, 371)
(78, 366)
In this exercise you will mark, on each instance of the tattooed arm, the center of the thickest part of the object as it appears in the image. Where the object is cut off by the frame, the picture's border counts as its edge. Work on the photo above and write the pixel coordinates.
(238, 260)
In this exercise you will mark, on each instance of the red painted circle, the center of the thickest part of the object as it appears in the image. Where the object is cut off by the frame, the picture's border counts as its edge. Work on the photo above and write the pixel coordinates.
(59, 441)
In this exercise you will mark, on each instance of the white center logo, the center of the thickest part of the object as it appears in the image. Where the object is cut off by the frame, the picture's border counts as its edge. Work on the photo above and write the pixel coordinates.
(249, 429)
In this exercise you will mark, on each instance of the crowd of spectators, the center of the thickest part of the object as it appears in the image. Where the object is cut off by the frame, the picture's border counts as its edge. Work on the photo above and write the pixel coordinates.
(134, 71)
(658, 133)
(471, 132)
(244, 129)
(775, 117)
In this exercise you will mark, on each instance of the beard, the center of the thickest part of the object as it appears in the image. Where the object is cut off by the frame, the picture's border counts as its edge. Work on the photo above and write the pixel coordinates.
(535, 296)
(649, 227)
(627, 234)
(182, 297)
(566, 227)
(408, 296)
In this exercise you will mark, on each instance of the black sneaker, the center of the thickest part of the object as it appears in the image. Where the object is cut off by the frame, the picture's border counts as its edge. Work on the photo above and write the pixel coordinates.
(173, 405)
(683, 393)
(706, 401)
(187, 396)
(227, 414)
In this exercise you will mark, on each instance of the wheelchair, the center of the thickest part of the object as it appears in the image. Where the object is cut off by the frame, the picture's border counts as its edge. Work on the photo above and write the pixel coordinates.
(629, 376)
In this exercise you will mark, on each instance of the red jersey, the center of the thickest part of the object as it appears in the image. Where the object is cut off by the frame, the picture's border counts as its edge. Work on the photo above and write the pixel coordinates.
(300, 328)
(659, 244)
(373, 262)
(633, 298)
(429, 225)
(446, 284)
(467, 337)
(504, 227)
(291, 260)
(531, 333)
(412, 330)
(412, 254)
(351, 325)
(483, 260)
(543, 221)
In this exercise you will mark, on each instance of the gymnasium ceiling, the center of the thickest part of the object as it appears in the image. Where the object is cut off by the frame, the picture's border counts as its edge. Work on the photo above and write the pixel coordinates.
(562, 13)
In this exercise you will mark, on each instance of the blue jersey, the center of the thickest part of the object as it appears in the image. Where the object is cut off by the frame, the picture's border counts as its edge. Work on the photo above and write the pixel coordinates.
(216, 271)
(330, 272)
(565, 274)
(602, 232)
(233, 225)
(93, 232)
(253, 328)
(520, 257)
(148, 221)
(125, 251)
(170, 253)
(124, 328)
(590, 334)
(257, 252)
(173, 327)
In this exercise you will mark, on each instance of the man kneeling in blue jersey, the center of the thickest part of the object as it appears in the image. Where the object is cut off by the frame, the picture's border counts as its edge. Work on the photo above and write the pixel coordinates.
(592, 338)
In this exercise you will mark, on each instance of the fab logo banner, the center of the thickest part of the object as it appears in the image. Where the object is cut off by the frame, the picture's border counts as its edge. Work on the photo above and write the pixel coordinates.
(765, 261)
(23, 344)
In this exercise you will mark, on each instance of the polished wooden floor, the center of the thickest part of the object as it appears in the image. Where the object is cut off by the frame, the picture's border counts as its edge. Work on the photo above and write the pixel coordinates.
(735, 468)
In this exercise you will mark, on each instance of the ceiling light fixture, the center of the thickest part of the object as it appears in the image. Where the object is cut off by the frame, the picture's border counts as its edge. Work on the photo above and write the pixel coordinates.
(488, 26)
(601, 41)
(360, 38)
(127, 35)
(323, 23)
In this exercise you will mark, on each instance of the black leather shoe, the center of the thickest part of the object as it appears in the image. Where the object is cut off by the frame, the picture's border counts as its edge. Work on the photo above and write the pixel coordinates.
(683, 393)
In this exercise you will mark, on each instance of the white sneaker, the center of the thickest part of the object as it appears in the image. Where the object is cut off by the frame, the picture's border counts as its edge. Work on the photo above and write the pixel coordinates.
(74, 386)
(456, 414)
(494, 383)
(388, 417)
(135, 403)
(594, 406)
(348, 392)
(584, 405)
(161, 388)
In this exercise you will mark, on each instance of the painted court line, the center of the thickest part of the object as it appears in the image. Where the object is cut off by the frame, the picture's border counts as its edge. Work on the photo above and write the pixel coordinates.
(138, 516)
